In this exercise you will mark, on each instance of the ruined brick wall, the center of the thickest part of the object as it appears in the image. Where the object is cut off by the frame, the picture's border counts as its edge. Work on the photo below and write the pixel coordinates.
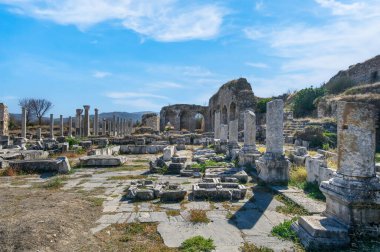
(361, 73)
(183, 116)
(151, 120)
(232, 99)
(4, 120)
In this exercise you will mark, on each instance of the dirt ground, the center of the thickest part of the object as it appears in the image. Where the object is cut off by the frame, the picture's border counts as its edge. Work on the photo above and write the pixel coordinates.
(38, 219)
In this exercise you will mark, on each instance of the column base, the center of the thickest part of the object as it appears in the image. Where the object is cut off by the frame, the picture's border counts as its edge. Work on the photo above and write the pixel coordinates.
(273, 168)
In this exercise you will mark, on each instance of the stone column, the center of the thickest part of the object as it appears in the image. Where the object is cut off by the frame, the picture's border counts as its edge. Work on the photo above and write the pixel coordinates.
(353, 194)
(23, 122)
(109, 123)
(104, 127)
(86, 121)
(114, 125)
(96, 122)
(275, 127)
(233, 134)
(61, 125)
(51, 126)
(250, 129)
(223, 132)
(217, 125)
(38, 134)
(273, 166)
(70, 134)
(78, 123)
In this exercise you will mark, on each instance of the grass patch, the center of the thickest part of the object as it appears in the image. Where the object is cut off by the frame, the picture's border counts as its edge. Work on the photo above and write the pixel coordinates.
(284, 231)
(95, 201)
(54, 183)
(262, 149)
(312, 153)
(208, 163)
(297, 179)
(141, 161)
(250, 247)
(377, 157)
(332, 163)
(198, 216)
(289, 206)
(197, 244)
(172, 212)
(127, 177)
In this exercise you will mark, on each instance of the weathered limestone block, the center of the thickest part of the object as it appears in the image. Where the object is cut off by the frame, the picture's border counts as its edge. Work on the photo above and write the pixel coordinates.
(59, 165)
(317, 170)
(108, 151)
(172, 193)
(223, 132)
(169, 152)
(224, 173)
(273, 168)
(102, 161)
(233, 131)
(85, 144)
(249, 129)
(219, 191)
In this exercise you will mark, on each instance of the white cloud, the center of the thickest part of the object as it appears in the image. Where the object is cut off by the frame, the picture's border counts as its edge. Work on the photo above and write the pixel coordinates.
(163, 20)
(101, 75)
(257, 64)
(123, 95)
(190, 71)
(259, 5)
(313, 53)
(165, 84)
(8, 98)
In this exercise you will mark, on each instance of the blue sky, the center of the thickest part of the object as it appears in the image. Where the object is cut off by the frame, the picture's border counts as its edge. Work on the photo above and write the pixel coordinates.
(137, 55)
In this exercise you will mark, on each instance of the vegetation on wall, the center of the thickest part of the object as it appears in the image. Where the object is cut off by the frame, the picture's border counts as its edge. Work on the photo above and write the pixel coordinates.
(261, 106)
(304, 101)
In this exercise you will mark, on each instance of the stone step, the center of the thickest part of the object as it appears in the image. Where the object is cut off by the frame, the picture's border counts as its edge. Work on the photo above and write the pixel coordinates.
(300, 198)
(321, 233)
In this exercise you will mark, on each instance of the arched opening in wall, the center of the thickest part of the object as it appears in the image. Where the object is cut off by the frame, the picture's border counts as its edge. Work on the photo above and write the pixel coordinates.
(184, 121)
(224, 115)
(170, 119)
(232, 111)
(199, 121)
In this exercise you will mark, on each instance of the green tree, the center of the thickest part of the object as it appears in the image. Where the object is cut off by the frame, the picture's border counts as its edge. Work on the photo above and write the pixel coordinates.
(303, 101)
(261, 106)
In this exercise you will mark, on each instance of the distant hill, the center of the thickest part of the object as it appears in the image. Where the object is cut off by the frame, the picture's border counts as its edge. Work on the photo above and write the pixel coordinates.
(107, 115)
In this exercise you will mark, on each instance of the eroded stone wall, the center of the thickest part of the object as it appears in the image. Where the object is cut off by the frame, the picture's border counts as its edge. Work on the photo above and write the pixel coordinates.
(4, 120)
(151, 120)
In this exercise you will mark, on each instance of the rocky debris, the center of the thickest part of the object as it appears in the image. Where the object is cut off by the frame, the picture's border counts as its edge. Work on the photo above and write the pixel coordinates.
(218, 191)
(172, 192)
(227, 173)
(143, 190)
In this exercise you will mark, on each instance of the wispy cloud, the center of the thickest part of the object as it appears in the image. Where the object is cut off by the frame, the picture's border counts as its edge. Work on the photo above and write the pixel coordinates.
(165, 84)
(259, 5)
(101, 74)
(311, 53)
(257, 64)
(163, 20)
(123, 95)
(190, 71)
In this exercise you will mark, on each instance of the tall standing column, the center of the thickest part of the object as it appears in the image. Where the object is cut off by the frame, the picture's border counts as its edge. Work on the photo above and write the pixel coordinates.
(51, 126)
(233, 130)
(70, 134)
(114, 125)
(250, 129)
(23, 122)
(78, 123)
(217, 125)
(39, 134)
(109, 127)
(275, 127)
(104, 123)
(96, 122)
(61, 125)
(273, 166)
(86, 121)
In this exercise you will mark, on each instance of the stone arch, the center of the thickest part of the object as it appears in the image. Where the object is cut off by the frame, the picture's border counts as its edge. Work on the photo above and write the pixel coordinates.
(233, 112)
(224, 116)
(199, 122)
(170, 116)
(184, 120)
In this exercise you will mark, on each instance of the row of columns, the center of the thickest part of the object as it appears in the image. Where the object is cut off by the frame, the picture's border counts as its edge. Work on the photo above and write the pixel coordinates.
(115, 127)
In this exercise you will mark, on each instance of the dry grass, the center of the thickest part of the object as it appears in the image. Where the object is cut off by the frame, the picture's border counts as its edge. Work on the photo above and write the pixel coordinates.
(9, 172)
(262, 149)
(298, 175)
(332, 163)
(250, 247)
(137, 237)
(127, 177)
(173, 212)
(312, 153)
(198, 216)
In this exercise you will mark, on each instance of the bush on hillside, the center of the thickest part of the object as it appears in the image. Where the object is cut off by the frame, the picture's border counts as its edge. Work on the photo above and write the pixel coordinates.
(261, 106)
(339, 85)
(317, 137)
(303, 101)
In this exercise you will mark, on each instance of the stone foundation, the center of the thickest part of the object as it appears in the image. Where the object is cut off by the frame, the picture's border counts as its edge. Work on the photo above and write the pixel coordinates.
(273, 168)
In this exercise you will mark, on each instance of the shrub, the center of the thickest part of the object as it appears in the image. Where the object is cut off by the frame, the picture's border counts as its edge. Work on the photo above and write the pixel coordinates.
(339, 85)
(198, 244)
(284, 230)
(72, 141)
(289, 206)
(303, 101)
(316, 136)
(261, 106)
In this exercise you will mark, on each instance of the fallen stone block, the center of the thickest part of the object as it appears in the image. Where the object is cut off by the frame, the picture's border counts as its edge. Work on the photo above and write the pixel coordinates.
(59, 165)
(102, 161)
